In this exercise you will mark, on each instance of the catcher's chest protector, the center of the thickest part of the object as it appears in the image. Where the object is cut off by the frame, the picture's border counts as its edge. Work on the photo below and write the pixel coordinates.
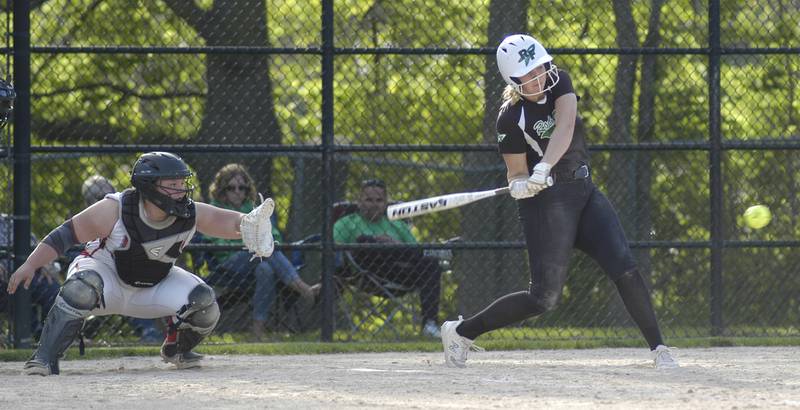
(150, 252)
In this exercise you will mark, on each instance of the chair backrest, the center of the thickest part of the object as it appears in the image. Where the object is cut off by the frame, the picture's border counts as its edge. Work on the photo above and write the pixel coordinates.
(348, 268)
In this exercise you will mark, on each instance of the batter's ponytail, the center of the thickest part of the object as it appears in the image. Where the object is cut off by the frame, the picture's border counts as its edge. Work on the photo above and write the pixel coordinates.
(510, 95)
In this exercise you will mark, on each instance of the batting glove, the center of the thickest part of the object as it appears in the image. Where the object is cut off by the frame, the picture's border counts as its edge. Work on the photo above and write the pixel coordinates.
(540, 179)
(520, 188)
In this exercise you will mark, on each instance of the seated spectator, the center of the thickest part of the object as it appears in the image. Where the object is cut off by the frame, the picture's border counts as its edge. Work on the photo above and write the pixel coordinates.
(233, 188)
(45, 285)
(95, 188)
(405, 266)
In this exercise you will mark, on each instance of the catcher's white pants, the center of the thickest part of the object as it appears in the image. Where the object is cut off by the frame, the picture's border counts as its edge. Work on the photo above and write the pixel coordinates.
(161, 300)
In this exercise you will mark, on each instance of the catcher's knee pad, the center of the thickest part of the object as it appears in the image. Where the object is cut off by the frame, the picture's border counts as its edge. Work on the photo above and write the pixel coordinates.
(202, 312)
(83, 291)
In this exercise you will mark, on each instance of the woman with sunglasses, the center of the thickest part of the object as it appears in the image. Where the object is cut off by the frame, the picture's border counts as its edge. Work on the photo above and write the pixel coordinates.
(233, 188)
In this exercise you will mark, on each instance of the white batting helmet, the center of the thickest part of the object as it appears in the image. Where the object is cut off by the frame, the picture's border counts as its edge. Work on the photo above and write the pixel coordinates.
(519, 54)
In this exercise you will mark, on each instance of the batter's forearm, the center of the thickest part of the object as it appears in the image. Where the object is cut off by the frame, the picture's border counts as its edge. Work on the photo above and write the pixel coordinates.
(558, 145)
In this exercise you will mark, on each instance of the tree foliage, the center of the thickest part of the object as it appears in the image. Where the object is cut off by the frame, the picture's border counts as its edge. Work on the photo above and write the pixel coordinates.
(98, 98)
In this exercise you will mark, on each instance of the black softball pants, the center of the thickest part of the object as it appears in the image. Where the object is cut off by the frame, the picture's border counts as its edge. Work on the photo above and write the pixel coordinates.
(571, 214)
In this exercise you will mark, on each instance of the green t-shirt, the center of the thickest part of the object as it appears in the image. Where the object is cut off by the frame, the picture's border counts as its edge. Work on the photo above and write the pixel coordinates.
(246, 207)
(348, 228)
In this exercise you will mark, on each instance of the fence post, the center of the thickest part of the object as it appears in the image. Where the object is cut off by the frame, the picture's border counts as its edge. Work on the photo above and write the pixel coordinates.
(22, 167)
(715, 158)
(328, 181)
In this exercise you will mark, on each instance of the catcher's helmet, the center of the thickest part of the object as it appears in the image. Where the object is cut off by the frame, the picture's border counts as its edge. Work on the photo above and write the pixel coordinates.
(155, 166)
(7, 96)
(518, 55)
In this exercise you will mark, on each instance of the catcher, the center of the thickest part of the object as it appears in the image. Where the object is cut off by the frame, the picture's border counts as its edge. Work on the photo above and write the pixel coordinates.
(127, 268)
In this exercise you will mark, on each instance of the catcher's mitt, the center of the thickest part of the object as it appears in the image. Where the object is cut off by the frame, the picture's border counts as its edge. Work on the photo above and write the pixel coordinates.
(256, 229)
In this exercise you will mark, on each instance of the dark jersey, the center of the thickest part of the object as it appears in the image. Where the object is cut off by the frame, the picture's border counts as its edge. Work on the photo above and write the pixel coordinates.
(150, 251)
(526, 127)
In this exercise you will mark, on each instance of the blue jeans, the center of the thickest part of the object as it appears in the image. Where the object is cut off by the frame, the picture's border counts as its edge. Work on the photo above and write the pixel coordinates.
(267, 272)
(42, 294)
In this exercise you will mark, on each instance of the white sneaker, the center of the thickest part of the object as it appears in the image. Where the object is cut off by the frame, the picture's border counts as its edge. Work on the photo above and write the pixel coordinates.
(431, 330)
(456, 347)
(662, 358)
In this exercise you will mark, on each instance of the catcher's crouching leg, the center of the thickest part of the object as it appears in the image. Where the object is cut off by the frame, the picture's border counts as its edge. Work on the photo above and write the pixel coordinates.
(193, 322)
(81, 293)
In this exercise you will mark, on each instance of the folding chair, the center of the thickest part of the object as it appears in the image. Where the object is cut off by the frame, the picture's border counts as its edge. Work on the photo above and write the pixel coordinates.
(366, 300)
(372, 303)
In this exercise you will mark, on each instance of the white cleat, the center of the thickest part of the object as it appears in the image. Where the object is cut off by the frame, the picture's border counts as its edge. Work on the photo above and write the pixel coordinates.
(662, 358)
(456, 347)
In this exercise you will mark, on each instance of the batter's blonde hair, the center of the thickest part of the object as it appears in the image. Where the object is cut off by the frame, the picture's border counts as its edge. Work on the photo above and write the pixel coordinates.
(510, 95)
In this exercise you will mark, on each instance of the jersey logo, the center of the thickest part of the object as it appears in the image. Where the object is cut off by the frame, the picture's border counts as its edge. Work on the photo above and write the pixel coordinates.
(156, 251)
(501, 137)
(545, 128)
(527, 54)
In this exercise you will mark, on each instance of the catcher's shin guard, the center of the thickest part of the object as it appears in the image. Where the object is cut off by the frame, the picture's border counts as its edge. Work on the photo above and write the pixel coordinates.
(81, 293)
(194, 321)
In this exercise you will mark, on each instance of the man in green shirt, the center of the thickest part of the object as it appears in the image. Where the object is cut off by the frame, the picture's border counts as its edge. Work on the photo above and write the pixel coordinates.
(405, 266)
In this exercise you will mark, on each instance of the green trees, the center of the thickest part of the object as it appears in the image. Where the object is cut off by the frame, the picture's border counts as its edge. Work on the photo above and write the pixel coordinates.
(250, 96)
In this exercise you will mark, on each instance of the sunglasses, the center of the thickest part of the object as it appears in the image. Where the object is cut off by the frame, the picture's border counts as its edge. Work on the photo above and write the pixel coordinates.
(243, 188)
(373, 182)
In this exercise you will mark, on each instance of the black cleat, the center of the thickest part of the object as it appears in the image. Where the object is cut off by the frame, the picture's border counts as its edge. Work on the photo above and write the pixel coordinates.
(188, 360)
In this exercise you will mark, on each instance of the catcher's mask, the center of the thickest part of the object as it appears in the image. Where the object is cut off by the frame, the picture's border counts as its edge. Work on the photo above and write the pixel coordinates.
(153, 167)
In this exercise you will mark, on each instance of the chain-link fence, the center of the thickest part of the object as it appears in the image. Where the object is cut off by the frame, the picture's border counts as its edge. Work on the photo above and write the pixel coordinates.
(690, 111)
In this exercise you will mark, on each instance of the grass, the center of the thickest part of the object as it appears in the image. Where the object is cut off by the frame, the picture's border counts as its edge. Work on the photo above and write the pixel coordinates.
(292, 348)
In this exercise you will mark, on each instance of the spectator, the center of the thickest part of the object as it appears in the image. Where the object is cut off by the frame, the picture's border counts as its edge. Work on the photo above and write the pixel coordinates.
(407, 267)
(233, 188)
(44, 287)
(94, 189)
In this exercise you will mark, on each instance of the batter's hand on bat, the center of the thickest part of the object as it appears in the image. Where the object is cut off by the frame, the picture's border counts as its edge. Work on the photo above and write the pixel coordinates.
(520, 188)
(540, 179)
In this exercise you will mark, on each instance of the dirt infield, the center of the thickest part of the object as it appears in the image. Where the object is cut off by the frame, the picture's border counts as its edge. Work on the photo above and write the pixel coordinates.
(734, 377)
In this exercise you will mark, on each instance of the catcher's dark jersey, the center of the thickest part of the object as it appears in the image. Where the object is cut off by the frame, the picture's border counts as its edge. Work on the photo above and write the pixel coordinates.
(526, 127)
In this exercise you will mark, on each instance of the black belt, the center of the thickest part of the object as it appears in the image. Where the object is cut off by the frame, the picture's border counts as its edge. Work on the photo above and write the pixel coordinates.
(582, 172)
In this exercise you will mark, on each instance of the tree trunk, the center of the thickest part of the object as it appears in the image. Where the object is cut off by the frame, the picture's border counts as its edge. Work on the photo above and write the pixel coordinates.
(239, 106)
(485, 275)
(621, 171)
(645, 132)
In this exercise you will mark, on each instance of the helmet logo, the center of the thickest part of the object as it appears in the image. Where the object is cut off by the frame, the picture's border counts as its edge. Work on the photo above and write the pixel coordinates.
(527, 54)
